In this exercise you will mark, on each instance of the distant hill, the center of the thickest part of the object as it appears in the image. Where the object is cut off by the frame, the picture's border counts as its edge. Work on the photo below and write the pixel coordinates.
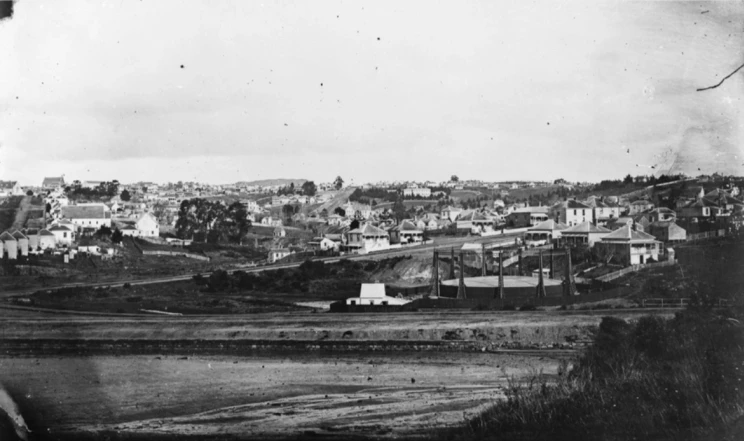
(272, 182)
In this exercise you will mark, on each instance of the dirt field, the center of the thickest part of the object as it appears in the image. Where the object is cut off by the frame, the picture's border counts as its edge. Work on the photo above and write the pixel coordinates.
(378, 395)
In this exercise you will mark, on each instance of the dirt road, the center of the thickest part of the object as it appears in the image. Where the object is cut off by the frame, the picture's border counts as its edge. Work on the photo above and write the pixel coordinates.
(380, 395)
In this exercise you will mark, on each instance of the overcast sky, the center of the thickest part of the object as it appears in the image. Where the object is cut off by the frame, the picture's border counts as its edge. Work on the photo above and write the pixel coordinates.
(222, 91)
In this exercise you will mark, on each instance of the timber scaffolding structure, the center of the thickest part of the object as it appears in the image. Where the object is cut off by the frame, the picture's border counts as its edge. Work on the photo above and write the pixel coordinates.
(457, 270)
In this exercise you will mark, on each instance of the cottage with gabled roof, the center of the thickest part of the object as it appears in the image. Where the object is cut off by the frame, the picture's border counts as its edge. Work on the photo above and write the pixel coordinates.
(63, 235)
(631, 247)
(585, 233)
(10, 188)
(47, 240)
(53, 183)
(10, 246)
(667, 231)
(22, 241)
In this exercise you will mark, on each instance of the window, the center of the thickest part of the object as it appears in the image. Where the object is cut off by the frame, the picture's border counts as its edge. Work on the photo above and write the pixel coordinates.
(384, 302)
(574, 212)
(353, 302)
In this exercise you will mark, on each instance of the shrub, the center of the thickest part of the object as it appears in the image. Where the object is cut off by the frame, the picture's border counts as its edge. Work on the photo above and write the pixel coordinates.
(528, 307)
(219, 280)
(127, 285)
(509, 307)
(199, 280)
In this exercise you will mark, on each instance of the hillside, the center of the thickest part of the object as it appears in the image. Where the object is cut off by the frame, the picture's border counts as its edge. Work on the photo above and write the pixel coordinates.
(272, 182)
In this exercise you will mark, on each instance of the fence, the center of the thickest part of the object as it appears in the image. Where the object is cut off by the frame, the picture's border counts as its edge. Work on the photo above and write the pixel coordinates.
(675, 303)
(705, 235)
(175, 254)
(633, 268)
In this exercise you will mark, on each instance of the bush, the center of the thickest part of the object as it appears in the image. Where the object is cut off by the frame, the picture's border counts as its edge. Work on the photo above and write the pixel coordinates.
(199, 280)
(219, 280)
(528, 307)
(509, 307)
(127, 285)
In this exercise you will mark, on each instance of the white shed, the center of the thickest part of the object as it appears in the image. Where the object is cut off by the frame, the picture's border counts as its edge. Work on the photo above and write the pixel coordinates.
(374, 294)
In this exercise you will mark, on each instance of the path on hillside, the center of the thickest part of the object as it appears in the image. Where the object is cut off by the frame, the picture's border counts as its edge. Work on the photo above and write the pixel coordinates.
(441, 245)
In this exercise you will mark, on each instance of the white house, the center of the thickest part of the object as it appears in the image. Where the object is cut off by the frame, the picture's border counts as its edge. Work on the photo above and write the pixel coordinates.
(10, 188)
(276, 254)
(145, 226)
(572, 213)
(87, 215)
(324, 244)
(632, 247)
(63, 235)
(374, 294)
(367, 239)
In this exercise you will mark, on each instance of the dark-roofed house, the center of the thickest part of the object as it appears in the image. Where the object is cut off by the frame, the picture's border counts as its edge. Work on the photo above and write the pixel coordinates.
(527, 216)
(276, 254)
(406, 232)
(631, 247)
(10, 246)
(53, 183)
(667, 231)
(660, 214)
(366, 239)
(87, 216)
(603, 211)
(585, 233)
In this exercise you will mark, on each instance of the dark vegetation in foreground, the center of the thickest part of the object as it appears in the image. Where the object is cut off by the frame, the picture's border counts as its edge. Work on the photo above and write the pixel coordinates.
(652, 379)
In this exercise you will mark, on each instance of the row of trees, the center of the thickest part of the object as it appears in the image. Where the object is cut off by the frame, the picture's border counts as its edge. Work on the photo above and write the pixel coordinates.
(213, 220)
(106, 189)
(307, 189)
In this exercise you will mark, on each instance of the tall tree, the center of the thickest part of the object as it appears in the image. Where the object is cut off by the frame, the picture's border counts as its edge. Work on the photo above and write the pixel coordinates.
(454, 178)
(338, 183)
(309, 188)
(125, 196)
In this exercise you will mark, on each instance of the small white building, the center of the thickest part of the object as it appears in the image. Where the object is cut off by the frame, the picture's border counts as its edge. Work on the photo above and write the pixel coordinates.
(87, 215)
(374, 294)
(278, 254)
(62, 235)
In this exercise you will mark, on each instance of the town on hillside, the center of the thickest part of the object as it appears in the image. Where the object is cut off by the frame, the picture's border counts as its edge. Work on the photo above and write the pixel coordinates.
(640, 218)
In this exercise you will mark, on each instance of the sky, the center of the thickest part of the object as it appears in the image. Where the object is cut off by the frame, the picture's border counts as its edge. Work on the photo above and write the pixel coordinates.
(161, 90)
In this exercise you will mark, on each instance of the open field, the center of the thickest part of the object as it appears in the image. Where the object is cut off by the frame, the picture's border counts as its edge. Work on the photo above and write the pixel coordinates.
(370, 395)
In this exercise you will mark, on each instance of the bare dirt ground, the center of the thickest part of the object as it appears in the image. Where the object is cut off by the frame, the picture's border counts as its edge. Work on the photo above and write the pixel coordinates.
(372, 395)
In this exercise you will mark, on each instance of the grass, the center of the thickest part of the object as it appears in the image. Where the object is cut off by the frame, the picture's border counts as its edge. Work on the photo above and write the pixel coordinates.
(652, 379)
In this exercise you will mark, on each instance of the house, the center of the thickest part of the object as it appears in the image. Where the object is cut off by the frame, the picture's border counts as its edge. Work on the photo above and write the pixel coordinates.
(527, 216)
(87, 215)
(603, 212)
(366, 239)
(324, 244)
(63, 235)
(271, 222)
(279, 232)
(10, 246)
(22, 242)
(357, 210)
(52, 184)
(639, 206)
(700, 209)
(47, 239)
(33, 238)
(374, 294)
(630, 246)
(475, 221)
(417, 192)
(276, 254)
(544, 233)
(660, 214)
(585, 233)
(10, 188)
(572, 213)
(147, 226)
(621, 222)
(407, 233)
(450, 213)
(667, 231)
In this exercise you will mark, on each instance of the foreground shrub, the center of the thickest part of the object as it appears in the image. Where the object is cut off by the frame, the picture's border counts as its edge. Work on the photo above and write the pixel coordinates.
(653, 379)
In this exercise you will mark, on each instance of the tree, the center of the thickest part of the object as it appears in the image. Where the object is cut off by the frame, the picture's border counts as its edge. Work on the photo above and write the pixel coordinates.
(30, 193)
(454, 178)
(628, 179)
(48, 207)
(324, 213)
(340, 211)
(287, 210)
(309, 188)
(117, 236)
(125, 196)
(338, 183)
(104, 232)
(354, 224)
